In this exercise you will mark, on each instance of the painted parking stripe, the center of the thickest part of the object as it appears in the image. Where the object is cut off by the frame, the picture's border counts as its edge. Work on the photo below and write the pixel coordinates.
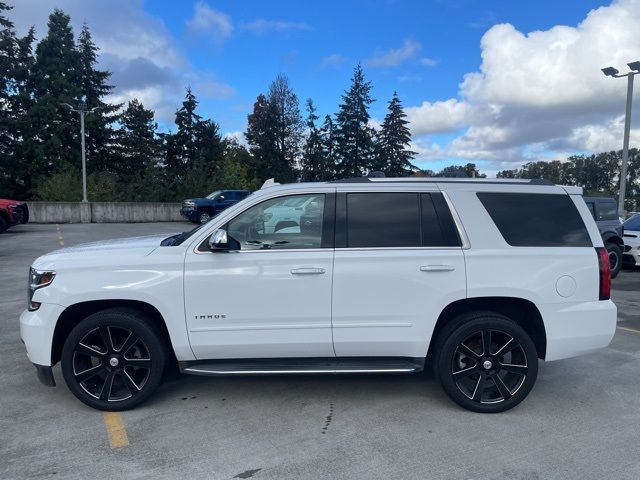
(627, 329)
(60, 239)
(115, 429)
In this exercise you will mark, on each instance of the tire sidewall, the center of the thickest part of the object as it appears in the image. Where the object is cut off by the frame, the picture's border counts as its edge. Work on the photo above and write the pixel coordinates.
(463, 331)
(116, 318)
(615, 248)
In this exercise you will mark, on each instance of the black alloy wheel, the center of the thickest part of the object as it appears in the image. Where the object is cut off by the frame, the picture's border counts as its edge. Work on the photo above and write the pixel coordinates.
(488, 364)
(113, 360)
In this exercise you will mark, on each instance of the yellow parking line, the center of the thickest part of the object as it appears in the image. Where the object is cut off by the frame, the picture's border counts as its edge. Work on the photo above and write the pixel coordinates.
(115, 430)
(60, 239)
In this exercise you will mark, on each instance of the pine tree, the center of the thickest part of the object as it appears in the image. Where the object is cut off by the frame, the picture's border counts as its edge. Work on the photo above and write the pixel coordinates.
(54, 82)
(393, 155)
(7, 135)
(354, 136)
(328, 136)
(288, 126)
(181, 147)
(313, 152)
(260, 136)
(94, 87)
(138, 143)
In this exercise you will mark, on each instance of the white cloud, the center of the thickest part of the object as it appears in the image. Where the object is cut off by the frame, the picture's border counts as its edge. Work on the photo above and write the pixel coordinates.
(210, 88)
(208, 21)
(262, 26)
(428, 62)
(333, 60)
(395, 56)
(540, 94)
(238, 136)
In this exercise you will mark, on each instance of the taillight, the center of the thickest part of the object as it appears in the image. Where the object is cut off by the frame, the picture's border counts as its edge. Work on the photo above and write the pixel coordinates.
(605, 273)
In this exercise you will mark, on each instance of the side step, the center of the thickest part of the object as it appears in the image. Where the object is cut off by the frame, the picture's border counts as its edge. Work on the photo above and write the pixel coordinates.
(303, 366)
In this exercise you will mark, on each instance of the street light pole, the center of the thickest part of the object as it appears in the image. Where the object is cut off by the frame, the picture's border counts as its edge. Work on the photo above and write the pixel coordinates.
(83, 111)
(612, 72)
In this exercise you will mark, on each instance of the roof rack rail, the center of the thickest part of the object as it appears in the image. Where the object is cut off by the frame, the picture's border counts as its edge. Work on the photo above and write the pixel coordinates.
(485, 181)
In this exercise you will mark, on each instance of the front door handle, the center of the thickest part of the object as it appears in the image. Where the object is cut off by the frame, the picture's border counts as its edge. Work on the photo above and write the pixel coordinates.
(437, 268)
(307, 271)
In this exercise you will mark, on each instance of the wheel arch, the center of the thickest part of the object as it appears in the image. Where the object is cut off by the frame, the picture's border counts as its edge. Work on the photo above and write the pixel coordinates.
(612, 237)
(74, 314)
(523, 312)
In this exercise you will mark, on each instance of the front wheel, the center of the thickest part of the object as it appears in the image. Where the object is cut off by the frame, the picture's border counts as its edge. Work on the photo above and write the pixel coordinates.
(204, 216)
(486, 362)
(615, 258)
(113, 360)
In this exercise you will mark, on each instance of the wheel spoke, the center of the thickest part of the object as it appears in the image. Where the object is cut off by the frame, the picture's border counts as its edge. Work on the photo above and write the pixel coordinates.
(486, 342)
(464, 373)
(502, 388)
(462, 348)
(480, 386)
(105, 334)
(504, 347)
(105, 393)
(128, 343)
(89, 351)
(131, 384)
(519, 369)
(137, 362)
(88, 373)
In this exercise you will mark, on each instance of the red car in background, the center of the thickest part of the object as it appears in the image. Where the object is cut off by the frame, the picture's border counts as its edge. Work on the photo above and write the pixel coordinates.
(12, 212)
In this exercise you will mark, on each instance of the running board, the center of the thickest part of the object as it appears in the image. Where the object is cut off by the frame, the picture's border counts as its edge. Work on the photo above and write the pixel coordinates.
(303, 366)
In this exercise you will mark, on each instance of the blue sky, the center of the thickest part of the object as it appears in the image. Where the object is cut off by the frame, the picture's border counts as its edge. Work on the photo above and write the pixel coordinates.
(495, 82)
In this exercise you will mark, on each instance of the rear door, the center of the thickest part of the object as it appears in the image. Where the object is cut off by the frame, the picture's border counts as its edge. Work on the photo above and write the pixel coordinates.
(398, 263)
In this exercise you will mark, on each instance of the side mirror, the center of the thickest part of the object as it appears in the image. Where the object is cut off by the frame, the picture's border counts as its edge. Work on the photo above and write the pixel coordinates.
(221, 198)
(221, 242)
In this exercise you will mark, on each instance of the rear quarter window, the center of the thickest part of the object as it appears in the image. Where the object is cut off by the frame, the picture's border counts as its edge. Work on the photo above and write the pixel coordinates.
(536, 220)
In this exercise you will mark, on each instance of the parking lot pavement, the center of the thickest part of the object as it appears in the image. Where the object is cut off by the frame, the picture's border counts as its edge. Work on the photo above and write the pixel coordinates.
(580, 422)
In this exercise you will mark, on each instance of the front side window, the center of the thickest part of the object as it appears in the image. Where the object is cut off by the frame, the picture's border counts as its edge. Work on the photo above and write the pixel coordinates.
(213, 195)
(290, 222)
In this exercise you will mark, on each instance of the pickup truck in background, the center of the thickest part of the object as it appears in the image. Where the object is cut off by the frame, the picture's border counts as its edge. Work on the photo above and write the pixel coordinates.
(201, 210)
(12, 212)
(605, 213)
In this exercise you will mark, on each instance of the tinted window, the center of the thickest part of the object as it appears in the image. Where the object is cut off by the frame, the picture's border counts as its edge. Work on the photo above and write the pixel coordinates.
(383, 220)
(273, 224)
(241, 195)
(536, 220)
(607, 210)
(592, 209)
(438, 228)
(633, 223)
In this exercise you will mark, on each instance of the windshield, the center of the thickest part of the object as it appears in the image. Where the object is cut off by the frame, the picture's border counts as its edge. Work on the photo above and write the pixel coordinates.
(633, 223)
(213, 195)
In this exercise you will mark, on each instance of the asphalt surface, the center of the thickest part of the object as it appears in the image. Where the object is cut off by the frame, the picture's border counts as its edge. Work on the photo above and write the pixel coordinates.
(581, 421)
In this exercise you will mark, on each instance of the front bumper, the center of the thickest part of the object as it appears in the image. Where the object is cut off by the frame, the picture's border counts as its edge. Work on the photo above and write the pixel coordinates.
(191, 215)
(577, 328)
(36, 332)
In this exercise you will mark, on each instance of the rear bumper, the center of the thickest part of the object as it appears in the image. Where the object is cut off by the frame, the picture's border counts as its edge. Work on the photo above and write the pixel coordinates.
(578, 328)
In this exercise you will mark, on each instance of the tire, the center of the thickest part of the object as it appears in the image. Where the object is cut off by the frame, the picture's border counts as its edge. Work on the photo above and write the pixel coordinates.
(204, 216)
(115, 347)
(3, 224)
(615, 258)
(486, 383)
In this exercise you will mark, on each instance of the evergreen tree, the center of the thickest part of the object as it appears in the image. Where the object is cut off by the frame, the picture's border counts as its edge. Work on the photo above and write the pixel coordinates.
(181, 147)
(328, 136)
(260, 136)
(287, 125)
(393, 155)
(313, 152)
(94, 87)
(354, 137)
(138, 143)
(54, 82)
(7, 136)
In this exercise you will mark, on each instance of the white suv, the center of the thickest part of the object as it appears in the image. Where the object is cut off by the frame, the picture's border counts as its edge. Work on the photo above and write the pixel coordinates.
(477, 278)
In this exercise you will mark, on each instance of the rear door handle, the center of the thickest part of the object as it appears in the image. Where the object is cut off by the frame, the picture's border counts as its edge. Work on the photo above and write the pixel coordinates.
(307, 271)
(437, 268)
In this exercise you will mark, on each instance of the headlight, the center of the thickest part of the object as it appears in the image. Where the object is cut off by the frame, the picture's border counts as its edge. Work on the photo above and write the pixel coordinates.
(188, 205)
(38, 279)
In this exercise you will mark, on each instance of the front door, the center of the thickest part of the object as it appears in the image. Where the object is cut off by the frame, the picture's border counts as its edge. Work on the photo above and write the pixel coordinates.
(271, 298)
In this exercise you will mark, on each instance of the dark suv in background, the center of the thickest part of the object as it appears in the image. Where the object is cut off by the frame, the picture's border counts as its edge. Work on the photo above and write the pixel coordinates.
(605, 212)
(201, 210)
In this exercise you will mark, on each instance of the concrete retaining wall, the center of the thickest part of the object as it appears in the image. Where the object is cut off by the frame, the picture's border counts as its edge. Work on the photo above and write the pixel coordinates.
(103, 212)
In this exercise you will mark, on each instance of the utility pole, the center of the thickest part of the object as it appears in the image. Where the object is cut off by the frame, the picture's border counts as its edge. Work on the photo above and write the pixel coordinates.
(612, 72)
(82, 110)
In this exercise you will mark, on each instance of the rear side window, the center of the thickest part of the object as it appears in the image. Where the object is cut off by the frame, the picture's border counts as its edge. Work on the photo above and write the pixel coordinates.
(536, 220)
(389, 220)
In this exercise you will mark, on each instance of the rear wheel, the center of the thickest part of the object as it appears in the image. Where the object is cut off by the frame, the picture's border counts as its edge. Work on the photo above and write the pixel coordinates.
(3, 224)
(615, 258)
(113, 360)
(486, 362)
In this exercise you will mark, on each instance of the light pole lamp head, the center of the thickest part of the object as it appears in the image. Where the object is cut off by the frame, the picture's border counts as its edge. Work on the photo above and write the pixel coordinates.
(610, 71)
(635, 66)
